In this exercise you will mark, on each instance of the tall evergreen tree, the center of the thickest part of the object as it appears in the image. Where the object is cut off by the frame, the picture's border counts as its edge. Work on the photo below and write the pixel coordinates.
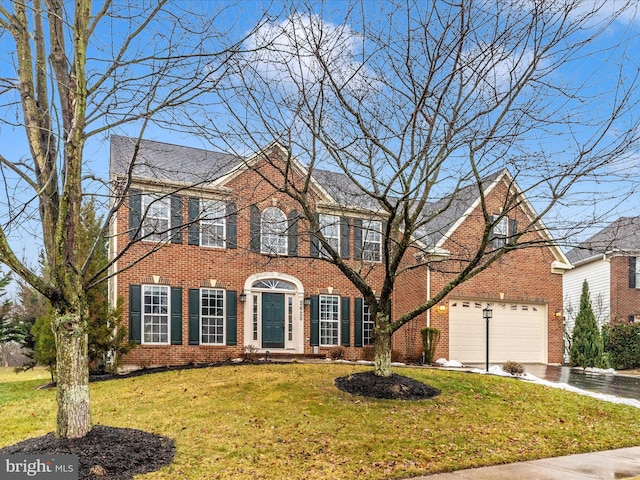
(586, 347)
(9, 331)
(105, 332)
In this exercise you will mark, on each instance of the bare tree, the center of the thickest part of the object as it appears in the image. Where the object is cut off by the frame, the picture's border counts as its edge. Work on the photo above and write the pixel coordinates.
(71, 74)
(417, 101)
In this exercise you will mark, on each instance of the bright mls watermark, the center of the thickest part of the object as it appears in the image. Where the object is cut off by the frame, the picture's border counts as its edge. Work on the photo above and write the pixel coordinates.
(45, 467)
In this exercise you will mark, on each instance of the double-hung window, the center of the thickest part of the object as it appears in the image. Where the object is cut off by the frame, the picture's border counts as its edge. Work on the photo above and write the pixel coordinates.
(155, 316)
(273, 234)
(329, 319)
(367, 325)
(371, 240)
(330, 227)
(212, 223)
(500, 233)
(212, 316)
(156, 220)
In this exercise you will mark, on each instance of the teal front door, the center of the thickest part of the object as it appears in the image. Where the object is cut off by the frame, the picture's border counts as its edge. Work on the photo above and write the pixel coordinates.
(272, 320)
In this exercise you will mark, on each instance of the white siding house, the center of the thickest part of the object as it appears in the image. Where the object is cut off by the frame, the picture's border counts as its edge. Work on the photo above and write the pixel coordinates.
(597, 273)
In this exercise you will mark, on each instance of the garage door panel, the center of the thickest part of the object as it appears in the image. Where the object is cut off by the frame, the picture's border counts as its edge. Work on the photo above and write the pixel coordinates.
(517, 332)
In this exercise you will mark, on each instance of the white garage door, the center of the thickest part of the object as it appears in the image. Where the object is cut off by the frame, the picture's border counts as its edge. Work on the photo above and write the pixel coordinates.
(517, 332)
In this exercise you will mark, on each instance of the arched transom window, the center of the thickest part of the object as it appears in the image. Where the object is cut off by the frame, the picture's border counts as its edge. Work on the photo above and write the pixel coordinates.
(273, 284)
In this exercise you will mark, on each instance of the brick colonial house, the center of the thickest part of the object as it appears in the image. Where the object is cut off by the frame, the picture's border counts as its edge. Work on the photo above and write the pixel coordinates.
(238, 267)
(610, 262)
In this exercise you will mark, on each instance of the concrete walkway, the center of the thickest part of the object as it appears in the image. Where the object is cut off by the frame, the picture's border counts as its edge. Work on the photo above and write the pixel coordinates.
(611, 464)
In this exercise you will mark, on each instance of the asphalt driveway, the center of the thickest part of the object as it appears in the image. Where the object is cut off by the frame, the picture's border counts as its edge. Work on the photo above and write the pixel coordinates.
(620, 384)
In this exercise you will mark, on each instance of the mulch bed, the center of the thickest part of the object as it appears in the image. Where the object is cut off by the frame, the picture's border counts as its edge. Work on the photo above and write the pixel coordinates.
(393, 387)
(105, 453)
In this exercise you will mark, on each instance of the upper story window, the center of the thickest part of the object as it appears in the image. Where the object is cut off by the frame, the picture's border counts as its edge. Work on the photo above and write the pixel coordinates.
(371, 240)
(330, 227)
(273, 231)
(504, 229)
(212, 223)
(157, 219)
(634, 272)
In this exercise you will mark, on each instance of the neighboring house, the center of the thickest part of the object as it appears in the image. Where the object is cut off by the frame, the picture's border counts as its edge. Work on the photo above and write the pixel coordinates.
(609, 262)
(237, 266)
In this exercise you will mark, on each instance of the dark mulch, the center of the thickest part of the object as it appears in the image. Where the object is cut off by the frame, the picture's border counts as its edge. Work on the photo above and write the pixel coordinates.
(105, 453)
(393, 387)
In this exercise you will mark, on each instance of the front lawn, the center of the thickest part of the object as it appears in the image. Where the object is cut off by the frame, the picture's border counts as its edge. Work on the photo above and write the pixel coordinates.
(290, 421)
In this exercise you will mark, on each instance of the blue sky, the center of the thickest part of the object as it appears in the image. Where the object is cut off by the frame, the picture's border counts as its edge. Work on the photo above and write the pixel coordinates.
(612, 58)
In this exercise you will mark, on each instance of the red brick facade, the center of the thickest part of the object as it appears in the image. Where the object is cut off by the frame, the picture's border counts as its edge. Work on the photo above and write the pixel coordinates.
(520, 275)
(625, 300)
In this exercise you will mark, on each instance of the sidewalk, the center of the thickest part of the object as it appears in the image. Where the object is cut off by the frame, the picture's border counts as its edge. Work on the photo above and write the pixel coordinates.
(611, 464)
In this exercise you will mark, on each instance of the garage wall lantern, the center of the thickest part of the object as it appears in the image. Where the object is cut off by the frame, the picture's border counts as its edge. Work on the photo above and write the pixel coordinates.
(487, 313)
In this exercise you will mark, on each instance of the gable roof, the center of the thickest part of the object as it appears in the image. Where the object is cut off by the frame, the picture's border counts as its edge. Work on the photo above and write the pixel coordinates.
(187, 166)
(164, 162)
(621, 236)
(451, 210)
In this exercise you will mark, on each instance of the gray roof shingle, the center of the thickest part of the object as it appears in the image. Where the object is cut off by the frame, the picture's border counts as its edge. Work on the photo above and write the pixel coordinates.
(157, 161)
(623, 236)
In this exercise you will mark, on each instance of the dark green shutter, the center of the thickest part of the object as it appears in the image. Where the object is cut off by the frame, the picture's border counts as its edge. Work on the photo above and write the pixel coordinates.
(232, 317)
(135, 214)
(292, 230)
(232, 225)
(357, 322)
(493, 240)
(345, 321)
(314, 248)
(254, 229)
(632, 272)
(194, 316)
(194, 225)
(513, 229)
(176, 219)
(315, 320)
(357, 239)
(176, 316)
(135, 313)
(345, 228)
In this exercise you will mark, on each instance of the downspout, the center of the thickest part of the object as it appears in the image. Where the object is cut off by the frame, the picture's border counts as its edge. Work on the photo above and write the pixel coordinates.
(428, 294)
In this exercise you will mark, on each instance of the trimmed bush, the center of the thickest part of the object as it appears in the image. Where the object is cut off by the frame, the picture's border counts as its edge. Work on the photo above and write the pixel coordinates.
(622, 345)
(336, 353)
(430, 339)
(514, 368)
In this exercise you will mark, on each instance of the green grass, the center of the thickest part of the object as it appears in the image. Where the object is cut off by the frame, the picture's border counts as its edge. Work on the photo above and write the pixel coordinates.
(289, 421)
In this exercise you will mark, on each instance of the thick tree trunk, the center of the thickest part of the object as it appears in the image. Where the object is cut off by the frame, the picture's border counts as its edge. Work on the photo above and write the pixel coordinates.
(72, 367)
(382, 345)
